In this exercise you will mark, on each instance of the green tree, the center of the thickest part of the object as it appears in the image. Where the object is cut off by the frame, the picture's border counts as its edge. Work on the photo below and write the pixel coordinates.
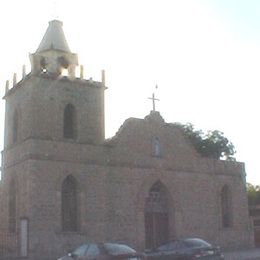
(212, 144)
(253, 194)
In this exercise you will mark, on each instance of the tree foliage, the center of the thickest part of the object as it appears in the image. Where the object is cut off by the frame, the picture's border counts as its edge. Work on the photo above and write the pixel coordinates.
(253, 194)
(211, 144)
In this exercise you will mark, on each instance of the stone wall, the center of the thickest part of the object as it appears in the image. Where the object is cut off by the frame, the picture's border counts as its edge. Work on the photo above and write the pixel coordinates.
(113, 177)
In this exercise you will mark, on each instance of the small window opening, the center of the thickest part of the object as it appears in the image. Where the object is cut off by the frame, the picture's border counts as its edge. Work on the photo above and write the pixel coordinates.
(64, 72)
(43, 64)
(63, 62)
(157, 147)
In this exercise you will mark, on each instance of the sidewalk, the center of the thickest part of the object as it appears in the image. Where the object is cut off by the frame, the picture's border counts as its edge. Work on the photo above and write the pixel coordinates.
(246, 254)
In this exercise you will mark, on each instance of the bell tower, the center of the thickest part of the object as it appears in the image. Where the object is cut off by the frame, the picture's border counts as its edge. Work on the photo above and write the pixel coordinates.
(53, 123)
(48, 103)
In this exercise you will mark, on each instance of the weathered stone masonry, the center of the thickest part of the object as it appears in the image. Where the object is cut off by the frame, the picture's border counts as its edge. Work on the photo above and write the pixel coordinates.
(145, 185)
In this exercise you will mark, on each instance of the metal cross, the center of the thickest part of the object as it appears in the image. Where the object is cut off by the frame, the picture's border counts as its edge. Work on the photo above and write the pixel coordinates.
(153, 99)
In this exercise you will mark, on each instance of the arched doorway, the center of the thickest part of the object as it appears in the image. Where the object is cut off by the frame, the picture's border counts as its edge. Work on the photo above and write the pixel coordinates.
(156, 216)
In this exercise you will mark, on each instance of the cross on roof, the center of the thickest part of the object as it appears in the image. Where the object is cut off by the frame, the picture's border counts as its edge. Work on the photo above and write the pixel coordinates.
(153, 99)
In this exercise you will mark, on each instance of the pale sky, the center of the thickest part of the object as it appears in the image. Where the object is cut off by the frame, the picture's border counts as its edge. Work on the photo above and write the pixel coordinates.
(203, 54)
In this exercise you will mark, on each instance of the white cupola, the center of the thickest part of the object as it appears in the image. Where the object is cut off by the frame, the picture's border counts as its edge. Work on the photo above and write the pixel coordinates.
(53, 54)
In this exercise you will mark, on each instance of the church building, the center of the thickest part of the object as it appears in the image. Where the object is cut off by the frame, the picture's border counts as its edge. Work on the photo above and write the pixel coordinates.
(64, 184)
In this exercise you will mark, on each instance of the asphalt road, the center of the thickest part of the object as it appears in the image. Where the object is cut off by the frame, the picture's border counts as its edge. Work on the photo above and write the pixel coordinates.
(248, 254)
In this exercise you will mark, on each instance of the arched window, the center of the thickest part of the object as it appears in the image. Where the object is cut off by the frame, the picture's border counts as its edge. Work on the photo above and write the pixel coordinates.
(157, 147)
(15, 127)
(69, 207)
(156, 216)
(69, 122)
(12, 206)
(226, 212)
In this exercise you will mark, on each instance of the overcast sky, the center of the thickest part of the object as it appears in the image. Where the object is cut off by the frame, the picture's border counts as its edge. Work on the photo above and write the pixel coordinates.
(204, 55)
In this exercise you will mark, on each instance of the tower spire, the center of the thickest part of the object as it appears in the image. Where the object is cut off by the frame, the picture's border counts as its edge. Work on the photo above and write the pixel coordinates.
(53, 54)
(54, 38)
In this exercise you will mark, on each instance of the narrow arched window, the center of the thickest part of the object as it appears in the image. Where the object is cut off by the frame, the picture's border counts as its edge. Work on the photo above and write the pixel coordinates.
(69, 207)
(226, 212)
(12, 206)
(43, 65)
(15, 127)
(69, 122)
(156, 147)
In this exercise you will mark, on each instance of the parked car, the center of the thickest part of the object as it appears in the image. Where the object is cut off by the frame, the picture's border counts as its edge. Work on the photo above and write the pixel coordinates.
(102, 251)
(185, 249)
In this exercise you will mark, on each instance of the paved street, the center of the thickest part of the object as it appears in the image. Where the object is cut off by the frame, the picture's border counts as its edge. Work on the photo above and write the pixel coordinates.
(251, 254)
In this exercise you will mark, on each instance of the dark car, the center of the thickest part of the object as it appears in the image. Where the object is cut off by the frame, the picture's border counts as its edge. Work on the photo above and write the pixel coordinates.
(185, 249)
(102, 251)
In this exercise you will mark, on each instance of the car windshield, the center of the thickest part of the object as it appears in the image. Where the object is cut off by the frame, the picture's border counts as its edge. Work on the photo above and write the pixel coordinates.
(118, 249)
(196, 242)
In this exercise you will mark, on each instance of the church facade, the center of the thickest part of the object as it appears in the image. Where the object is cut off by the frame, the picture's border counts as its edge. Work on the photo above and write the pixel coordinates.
(64, 184)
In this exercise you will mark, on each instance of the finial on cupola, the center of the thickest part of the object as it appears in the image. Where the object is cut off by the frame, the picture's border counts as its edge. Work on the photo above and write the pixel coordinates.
(14, 79)
(24, 72)
(103, 77)
(6, 86)
(81, 71)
